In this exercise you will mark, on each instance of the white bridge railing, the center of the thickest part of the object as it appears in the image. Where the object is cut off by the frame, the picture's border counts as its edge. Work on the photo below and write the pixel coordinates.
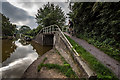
(55, 28)
(50, 29)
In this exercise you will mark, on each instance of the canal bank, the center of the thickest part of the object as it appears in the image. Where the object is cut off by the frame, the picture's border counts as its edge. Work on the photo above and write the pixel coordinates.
(51, 61)
(60, 42)
(18, 55)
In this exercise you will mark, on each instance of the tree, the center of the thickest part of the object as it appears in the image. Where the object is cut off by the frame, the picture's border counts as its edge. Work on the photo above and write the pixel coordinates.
(8, 28)
(34, 32)
(49, 15)
(24, 29)
(98, 19)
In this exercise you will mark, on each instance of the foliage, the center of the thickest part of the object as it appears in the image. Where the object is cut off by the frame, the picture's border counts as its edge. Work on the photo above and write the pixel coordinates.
(104, 46)
(24, 29)
(49, 15)
(8, 29)
(65, 68)
(102, 71)
(65, 28)
(98, 20)
(34, 32)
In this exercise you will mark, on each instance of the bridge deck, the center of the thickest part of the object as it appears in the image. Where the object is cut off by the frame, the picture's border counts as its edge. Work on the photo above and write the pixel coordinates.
(60, 42)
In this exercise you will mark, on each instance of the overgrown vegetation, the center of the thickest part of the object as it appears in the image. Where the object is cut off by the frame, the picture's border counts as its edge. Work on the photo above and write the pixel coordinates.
(27, 31)
(103, 46)
(34, 32)
(50, 14)
(62, 58)
(102, 71)
(24, 29)
(65, 68)
(8, 29)
(99, 23)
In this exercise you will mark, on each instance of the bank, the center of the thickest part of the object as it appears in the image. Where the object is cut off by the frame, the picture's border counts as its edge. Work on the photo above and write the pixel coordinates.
(102, 71)
(51, 65)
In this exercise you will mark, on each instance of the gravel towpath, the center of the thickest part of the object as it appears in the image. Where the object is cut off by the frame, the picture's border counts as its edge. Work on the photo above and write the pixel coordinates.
(109, 62)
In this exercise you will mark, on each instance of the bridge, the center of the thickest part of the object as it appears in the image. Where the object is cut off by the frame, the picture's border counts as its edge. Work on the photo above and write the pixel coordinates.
(52, 35)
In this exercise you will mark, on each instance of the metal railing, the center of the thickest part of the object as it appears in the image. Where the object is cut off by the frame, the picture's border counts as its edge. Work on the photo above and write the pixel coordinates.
(49, 29)
(55, 28)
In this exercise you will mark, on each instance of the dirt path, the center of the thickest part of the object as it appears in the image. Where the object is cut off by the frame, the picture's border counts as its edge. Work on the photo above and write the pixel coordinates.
(52, 57)
(101, 56)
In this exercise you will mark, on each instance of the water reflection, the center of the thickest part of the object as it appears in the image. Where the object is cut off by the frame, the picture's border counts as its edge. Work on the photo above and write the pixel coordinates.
(21, 55)
(39, 48)
(8, 47)
(20, 52)
(23, 42)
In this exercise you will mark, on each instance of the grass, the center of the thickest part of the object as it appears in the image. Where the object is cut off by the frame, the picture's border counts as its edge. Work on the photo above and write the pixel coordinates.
(44, 59)
(65, 68)
(103, 46)
(39, 67)
(101, 71)
(27, 36)
(62, 58)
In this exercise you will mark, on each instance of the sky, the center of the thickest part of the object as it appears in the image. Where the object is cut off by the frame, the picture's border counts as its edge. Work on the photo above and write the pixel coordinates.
(21, 12)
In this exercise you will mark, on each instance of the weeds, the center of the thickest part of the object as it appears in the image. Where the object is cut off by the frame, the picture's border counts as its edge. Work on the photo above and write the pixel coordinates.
(44, 59)
(105, 45)
(65, 68)
(39, 67)
(100, 69)
(62, 58)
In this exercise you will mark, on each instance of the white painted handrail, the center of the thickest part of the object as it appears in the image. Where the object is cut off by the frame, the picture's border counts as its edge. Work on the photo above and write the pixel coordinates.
(52, 29)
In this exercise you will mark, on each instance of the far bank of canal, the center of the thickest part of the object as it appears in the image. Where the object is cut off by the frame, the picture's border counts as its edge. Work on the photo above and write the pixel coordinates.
(18, 55)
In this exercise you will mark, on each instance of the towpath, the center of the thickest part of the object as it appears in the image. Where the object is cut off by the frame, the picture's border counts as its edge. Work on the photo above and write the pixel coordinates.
(109, 62)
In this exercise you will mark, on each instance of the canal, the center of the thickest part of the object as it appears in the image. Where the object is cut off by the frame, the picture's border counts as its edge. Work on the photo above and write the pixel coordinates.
(18, 55)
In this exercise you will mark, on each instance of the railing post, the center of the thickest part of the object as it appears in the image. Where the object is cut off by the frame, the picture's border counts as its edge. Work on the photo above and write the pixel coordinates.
(47, 29)
(51, 29)
(54, 28)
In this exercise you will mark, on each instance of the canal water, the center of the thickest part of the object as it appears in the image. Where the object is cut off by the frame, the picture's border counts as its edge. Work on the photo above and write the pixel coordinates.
(18, 55)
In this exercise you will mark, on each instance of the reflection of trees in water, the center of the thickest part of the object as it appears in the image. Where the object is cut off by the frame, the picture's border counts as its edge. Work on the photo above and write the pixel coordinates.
(24, 43)
(39, 48)
(8, 46)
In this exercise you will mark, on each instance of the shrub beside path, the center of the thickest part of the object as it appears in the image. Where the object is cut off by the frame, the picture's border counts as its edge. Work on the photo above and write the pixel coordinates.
(109, 62)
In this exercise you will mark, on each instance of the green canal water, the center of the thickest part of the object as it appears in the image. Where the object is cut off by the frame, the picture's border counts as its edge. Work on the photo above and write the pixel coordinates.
(18, 55)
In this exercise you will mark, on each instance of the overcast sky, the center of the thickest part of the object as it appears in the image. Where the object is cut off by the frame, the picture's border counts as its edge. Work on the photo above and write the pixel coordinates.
(21, 12)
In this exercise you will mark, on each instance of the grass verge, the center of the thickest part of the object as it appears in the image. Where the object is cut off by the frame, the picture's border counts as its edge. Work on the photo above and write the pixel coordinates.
(65, 68)
(103, 46)
(101, 71)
